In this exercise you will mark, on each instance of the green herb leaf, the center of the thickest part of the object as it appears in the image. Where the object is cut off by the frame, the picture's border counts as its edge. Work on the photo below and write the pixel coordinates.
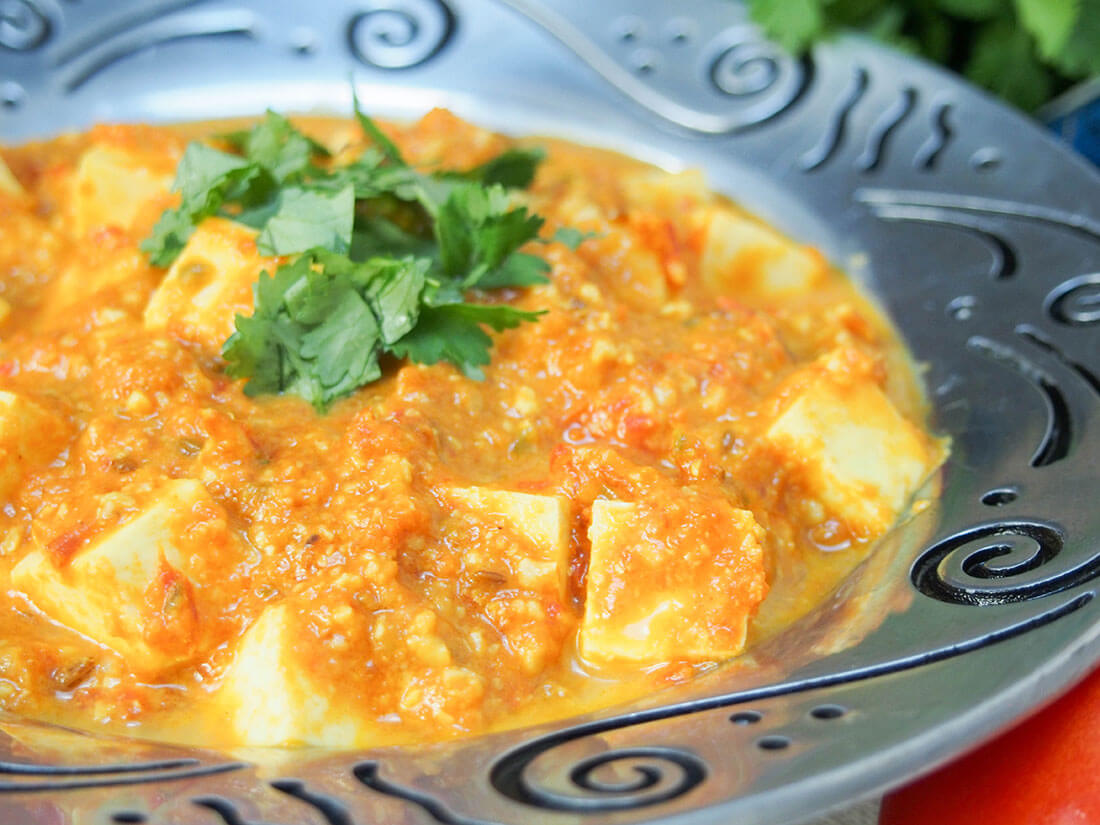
(518, 270)
(514, 168)
(308, 218)
(571, 237)
(1024, 50)
(277, 145)
(794, 24)
(1050, 22)
(205, 178)
(370, 128)
(454, 333)
(477, 231)
(1005, 62)
(382, 256)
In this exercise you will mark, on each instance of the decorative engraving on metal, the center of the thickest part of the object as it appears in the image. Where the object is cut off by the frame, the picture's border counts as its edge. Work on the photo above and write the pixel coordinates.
(886, 203)
(997, 563)
(24, 25)
(1045, 342)
(1003, 263)
(942, 132)
(1076, 302)
(1059, 432)
(836, 125)
(751, 80)
(400, 34)
(887, 123)
(78, 66)
(331, 810)
(658, 775)
(367, 773)
(49, 778)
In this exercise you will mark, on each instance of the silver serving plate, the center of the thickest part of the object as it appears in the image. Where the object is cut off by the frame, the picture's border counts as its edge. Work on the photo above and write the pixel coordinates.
(979, 234)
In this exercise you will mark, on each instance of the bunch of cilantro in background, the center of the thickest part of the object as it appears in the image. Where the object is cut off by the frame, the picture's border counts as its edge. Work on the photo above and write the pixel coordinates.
(1026, 51)
(381, 255)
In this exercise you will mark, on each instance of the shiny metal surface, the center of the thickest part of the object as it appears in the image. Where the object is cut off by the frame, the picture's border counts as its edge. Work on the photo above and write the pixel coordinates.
(976, 231)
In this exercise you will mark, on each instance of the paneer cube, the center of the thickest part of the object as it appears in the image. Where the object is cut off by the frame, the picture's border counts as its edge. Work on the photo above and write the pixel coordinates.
(544, 520)
(670, 581)
(848, 445)
(29, 436)
(114, 187)
(664, 192)
(272, 697)
(208, 284)
(746, 258)
(8, 183)
(134, 577)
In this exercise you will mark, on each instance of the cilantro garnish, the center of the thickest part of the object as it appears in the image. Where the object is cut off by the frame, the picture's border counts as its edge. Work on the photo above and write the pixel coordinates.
(382, 255)
(1024, 50)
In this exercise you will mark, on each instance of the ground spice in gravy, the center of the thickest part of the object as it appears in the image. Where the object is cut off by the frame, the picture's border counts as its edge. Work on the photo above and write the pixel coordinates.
(706, 430)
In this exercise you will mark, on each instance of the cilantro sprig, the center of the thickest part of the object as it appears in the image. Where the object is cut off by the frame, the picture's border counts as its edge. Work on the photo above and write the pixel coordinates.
(1024, 50)
(382, 256)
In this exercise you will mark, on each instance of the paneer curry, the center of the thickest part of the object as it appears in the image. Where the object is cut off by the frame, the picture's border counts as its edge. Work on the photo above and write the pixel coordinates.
(698, 430)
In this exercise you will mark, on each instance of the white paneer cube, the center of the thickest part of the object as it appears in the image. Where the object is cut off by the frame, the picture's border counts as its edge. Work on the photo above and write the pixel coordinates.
(29, 436)
(848, 445)
(664, 192)
(208, 284)
(544, 520)
(746, 258)
(272, 697)
(103, 590)
(113, 187)
(671, 582)
(8, 183)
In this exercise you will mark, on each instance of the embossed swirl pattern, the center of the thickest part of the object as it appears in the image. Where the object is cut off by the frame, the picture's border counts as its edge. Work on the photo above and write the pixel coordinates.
(23, 25)
(400, 34)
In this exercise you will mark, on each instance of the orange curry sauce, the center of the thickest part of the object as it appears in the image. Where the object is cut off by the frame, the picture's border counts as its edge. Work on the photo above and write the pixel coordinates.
(185, 562)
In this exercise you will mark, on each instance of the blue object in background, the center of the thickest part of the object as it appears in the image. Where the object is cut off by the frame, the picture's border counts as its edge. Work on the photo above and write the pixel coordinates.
(1075, 117)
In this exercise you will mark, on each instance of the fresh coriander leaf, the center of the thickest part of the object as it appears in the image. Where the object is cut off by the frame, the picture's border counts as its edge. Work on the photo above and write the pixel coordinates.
(454, 333)
(1050, 22)
(381, 256)
(343, 350)
(278, 146)
(972, 9)
(380, 237)
(500, 235)
(253, 351)
(518, 270)
(308, 218)
(476, 231)
(935, 33)
(370, 128)
(571, 237)
(204, 169)
(169, 236)
(204, 178)
(1080, 55)
(394, 292)
(794, 24)
(514, 168)
(1004, 61)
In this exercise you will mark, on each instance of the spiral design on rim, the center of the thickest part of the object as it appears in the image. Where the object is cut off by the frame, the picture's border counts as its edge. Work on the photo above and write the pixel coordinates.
(23, 25)
(400, 34)
(748, 68)
(999, 563)
(1077, 301)
(755, 75)
(595, 784)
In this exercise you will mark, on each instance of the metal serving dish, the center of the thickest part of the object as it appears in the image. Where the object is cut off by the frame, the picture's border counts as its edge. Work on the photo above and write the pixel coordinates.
(979, 234)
